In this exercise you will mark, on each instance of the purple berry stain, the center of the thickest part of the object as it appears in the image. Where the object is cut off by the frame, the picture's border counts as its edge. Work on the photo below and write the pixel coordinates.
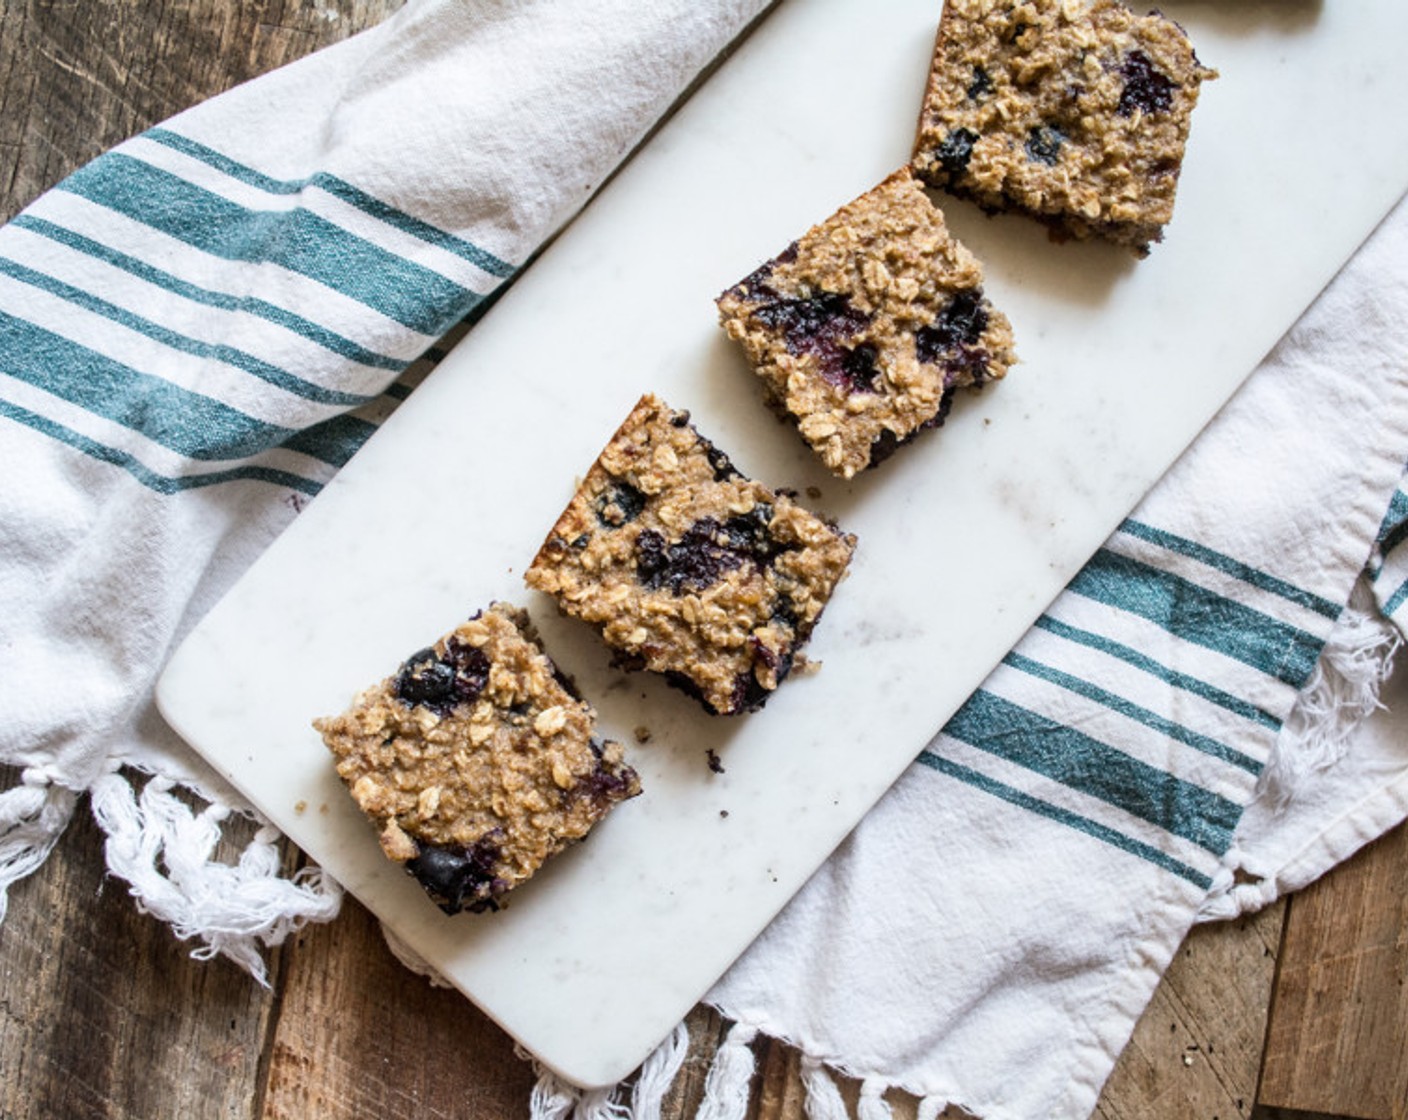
(821, 325)
(705, 551)
(1146, 89)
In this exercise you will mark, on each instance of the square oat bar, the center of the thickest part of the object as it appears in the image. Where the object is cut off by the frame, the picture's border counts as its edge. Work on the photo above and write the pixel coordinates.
(686, 567)
(862, 329)
(1075, 112)
(477, 761)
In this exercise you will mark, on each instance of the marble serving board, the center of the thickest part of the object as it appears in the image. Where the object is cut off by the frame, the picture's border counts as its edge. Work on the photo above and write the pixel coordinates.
(1297, 151)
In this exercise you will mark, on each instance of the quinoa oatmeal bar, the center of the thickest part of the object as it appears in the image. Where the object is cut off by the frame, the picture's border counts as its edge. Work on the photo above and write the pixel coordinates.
(1073, 111)
(476, 761)
(863, 328)
(688, 568)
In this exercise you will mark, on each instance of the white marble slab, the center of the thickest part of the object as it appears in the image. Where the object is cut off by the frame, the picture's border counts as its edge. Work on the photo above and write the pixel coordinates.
(965, 536)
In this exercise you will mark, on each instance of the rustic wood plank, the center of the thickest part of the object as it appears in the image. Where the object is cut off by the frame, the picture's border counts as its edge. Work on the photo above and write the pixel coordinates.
(103, 1013)
(1338, 1037)
(359, 1035)
(1196, 1051)
(77, 78)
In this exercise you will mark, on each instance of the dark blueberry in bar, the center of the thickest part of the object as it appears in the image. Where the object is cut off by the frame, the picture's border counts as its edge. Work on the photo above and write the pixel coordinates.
(961, 323)
(602, 785)
(439, 683)
(705, 551)
(858, 370)
(1145, 87)
(747, 534)
(722, 464)
(956, 150)
(620, 505)
(812, 324)
(980, 85)
(748, 693)
(461, 878)
(1044, 144)
(883, 446)
(692, 563)
(784, 613)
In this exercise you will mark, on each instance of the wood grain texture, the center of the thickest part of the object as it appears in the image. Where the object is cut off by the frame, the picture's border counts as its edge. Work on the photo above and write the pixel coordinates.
(357, 1035)
(104, 1014)
(1338, 1039)
(1196, 1051)
(78, 77)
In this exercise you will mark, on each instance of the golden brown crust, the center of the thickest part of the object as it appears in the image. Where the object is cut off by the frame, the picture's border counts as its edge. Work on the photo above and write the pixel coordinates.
(1074, 111)
(688, 568)
(864, 327)
(475, 762)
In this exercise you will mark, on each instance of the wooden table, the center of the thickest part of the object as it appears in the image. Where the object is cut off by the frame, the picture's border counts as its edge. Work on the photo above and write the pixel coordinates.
(1300, 1011)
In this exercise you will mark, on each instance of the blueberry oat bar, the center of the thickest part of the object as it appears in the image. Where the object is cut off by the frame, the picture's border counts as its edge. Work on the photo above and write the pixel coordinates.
(865, 326)
(688, 568)
(477, 761)
(1073, 111)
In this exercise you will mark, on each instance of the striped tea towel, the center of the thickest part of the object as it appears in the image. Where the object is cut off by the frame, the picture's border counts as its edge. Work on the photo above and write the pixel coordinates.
(200, 327)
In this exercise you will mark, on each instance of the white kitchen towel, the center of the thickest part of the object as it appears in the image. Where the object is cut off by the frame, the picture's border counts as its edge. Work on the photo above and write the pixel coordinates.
(198, 328)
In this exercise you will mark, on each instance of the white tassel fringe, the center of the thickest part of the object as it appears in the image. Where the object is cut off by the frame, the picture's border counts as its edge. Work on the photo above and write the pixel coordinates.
(32, 818)
(164, 851)
(726, 1087)
(872, 1104)
(551, 1098)
(658, 1073)
(1342, 692)
(823, 1096)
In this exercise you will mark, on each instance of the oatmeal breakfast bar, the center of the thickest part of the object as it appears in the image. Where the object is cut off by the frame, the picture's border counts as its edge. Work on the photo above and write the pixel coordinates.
(477, 761)
(864, 327)
(688, 568)
(1073, 111)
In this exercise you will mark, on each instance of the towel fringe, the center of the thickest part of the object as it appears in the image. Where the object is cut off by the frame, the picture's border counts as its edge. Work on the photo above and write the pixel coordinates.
(551, 1098)
(658, 1073)
(730, 1077)
(165, 852)
(930, 1107)
(1340, 694)
(872, 1104)
(601, 1104)
(33, 816)
(823, 1096)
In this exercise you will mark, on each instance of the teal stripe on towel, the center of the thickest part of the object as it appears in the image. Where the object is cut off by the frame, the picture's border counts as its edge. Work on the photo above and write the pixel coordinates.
(1394, 529)
(1066, 817)
(188, 423)
(1080, 762)
(295, 239)
(1136, 712)
(340, 188)
(1200, 616)
(1172, 677)
(162, 484)
(1254, 577)
(229, 355)
(250, 305)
